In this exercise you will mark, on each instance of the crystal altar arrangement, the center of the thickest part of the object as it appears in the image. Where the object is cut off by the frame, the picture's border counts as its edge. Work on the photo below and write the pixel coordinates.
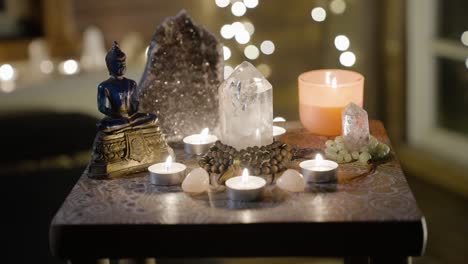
(246, 128)
(127, 141)
(183, 71)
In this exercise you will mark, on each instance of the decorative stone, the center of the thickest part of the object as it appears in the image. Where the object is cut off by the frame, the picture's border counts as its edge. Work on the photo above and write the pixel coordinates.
(355, 127)
(246, 108)
(291, 181)
(183, 71)
(197, 181)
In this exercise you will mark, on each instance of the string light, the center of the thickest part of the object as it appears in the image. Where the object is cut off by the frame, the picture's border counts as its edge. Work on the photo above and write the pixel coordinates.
(7, 72)
(347, 58)
(46, 67)
(267, 47)
(242, 37)
(337, 6)
(264, 69)
(222, 3)
(341, 42)
(318, 14)
(251, 3)
(251, 52)
(238, 9)
(227, 31)
(227, 71)
(226, 53)
(69, 67)
(249, 27)
(464, 38)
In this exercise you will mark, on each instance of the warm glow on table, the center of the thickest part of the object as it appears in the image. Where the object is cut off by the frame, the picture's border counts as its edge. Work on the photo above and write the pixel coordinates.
(322, 96)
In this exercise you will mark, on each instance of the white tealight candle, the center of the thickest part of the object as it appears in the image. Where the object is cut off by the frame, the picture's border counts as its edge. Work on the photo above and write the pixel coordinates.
(319, 170)
(245, 187)
(278, 132)
(167, 173)
(199, 144)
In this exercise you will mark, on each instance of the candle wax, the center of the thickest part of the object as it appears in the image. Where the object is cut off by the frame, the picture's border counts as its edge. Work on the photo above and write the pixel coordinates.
(160, 168)
(200, 139)
(329, 119)
(319, 168)
(253, 182)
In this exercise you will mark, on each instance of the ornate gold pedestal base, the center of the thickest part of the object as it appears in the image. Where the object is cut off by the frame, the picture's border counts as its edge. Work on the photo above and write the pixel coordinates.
(124, 153)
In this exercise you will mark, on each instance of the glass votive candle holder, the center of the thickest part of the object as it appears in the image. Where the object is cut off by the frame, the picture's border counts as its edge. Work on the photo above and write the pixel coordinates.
(323, 94)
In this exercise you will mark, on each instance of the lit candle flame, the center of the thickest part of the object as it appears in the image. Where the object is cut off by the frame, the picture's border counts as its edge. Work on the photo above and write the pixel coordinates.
(168, 163)
(204, 134)
(318, 157)
(257, 133)
(245, 176)
(333, 83)
(205, 131)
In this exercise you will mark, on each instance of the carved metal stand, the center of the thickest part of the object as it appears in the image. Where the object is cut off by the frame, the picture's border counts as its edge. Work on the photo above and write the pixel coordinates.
(121, 154)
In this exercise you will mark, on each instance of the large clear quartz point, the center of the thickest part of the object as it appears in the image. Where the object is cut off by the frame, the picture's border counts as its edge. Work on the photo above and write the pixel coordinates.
(246, 108)
(355, 127)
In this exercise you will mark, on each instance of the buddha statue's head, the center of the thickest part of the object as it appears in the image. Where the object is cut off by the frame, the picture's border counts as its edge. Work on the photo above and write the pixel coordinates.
(115, 61)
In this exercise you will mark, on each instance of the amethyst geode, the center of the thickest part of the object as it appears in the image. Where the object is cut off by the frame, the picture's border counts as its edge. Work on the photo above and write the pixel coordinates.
(183, 72)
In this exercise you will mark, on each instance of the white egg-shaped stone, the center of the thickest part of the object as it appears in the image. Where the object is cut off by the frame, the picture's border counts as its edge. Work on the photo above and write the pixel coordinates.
(291, 181)
(197, 181)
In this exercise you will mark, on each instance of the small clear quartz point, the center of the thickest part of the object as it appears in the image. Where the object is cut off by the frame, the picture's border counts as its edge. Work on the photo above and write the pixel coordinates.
(355, 127)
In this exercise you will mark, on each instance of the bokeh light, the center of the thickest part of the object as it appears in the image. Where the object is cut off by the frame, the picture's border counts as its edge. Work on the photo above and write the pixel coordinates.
(267, 47)
(251, 3)
(341, 42)
(69, 67)
(264, 69)
(242, 37)
(347, 59)
(237, 27)
(227, 31)
(6, 72)
(226, 53)
(222, 3)
(238, 9)
(251, 52)
(337, 6)
(318, 14)
(46, 67)
(249, 27)
(227, 71)
(464, 38)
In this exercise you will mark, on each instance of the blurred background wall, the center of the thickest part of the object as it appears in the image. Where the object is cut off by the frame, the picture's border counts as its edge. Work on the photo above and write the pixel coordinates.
(413, 54)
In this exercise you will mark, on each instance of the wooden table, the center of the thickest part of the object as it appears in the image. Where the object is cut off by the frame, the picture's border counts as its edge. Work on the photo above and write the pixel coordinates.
(369, 218)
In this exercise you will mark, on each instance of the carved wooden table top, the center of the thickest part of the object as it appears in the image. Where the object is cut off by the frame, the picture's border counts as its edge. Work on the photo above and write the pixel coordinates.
(375, 213)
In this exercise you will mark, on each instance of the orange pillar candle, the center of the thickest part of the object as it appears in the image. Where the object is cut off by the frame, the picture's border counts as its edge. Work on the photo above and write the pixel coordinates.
(322, 96)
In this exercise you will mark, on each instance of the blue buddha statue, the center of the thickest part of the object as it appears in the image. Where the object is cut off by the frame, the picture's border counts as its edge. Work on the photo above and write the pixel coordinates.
(118, 99)
(127, 141)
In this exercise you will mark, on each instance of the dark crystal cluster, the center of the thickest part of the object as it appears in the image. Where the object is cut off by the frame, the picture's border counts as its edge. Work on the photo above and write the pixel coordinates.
(262, 160)
(183, 72)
